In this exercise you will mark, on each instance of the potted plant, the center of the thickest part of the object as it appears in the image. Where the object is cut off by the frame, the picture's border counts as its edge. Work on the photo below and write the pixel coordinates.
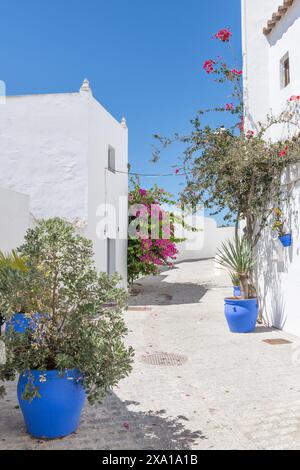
(279, 227)
(235, 279)
(241, 313)
(12, 266)
(76, 348)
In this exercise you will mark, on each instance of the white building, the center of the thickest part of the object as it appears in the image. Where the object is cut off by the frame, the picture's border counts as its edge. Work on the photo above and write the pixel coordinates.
(62, 151)
(271, 37)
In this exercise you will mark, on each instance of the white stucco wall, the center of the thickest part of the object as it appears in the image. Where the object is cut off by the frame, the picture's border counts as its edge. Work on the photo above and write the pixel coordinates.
(204, 243)
(200, 244)
(262, 55)
(43, 152)
(54, 148)
(223, 235)
(14, 217)
(106, 187)
(278, 268)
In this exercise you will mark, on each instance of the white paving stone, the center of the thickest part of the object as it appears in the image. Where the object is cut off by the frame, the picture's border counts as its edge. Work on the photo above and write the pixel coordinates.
(234, 391)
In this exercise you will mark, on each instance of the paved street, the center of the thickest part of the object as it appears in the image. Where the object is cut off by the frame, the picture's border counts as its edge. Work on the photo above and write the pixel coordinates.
(230, 391)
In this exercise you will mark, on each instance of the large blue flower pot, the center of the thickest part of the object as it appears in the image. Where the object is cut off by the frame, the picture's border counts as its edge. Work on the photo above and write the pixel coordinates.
(286, 240)
(241, 315)
(57, 413)
(20, 323)
(236, 291)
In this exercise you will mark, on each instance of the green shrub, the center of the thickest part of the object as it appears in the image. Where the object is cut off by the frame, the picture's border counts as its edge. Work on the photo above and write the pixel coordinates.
(82, 325)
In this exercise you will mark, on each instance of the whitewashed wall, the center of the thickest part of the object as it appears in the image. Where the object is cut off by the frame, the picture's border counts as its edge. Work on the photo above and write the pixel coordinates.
(278, 270)
(55, 149)
(14, 217)
(204, 243)
(106, 187)
(224, 234)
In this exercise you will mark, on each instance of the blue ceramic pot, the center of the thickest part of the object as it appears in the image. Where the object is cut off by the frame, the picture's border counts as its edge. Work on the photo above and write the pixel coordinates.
(236, 291)
(57, 412)
(20, 323)
(241, 315)
(286, 240)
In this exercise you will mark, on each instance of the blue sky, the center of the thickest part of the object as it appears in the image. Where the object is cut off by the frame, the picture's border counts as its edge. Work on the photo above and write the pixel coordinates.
(143, 58)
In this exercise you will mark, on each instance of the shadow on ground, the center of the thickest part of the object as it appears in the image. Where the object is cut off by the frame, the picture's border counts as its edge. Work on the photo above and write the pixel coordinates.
(154, 291)
(111, 426)
(265, 329)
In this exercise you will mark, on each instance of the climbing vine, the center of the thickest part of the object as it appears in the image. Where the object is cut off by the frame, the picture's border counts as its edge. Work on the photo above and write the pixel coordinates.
(237, 169)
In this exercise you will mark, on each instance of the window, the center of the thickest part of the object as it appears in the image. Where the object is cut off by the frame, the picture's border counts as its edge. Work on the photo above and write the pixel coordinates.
(111, 159)
(285, 71)
(111, 256)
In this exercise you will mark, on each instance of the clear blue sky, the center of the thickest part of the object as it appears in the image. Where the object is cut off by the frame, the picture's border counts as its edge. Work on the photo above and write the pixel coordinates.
(143, 58)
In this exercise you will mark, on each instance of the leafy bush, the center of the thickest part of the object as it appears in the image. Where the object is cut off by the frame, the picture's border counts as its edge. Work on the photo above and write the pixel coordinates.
(81, 325)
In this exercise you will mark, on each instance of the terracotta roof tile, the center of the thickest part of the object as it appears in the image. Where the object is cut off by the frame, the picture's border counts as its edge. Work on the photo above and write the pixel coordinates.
(276, 17)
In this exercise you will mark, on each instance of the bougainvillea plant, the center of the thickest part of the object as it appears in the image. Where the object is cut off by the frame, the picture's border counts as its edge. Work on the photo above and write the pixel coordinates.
(237, 170)
(152, 241)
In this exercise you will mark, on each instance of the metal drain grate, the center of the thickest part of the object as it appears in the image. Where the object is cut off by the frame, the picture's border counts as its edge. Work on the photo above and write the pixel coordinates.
(276, 342)
(164, 359)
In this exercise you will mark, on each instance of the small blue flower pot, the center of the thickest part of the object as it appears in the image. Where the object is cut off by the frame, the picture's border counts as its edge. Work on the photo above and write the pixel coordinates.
(57, 412)
(286, 240)
(241, 315)
(20, 323)
(236, 291)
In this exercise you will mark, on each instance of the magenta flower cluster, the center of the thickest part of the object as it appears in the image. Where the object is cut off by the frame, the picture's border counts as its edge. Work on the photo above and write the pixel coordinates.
(158, 252)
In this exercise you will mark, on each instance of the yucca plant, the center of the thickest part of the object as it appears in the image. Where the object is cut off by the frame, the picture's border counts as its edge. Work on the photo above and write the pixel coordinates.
(12, 261)
(235, 278)
(10, 265)
(237, 257)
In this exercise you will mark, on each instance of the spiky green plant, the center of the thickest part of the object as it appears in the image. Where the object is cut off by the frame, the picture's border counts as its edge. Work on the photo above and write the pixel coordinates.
(237, 257)
(235, 279)
(12, 261)
(11, 266)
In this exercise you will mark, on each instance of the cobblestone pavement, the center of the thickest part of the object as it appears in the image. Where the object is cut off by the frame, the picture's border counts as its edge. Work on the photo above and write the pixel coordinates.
(233, 391)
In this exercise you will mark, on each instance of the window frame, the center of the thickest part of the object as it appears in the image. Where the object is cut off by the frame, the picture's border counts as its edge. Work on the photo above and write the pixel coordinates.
(111, 159)
(285, 72)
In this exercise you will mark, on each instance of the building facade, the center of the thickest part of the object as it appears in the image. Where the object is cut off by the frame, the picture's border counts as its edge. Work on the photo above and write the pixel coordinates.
(271, 35)
(70, 157)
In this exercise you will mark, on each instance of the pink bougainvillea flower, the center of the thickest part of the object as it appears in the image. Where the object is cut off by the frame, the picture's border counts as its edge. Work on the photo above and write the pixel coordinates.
(249, 134)
(209, 66)
(223, 35)
(143, 192)
(236, 72)
(229, 106)
(283, 152)
(294, 98)
(177, 171)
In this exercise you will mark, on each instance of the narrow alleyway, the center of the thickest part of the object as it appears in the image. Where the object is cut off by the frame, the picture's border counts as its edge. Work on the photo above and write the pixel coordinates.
(194, 385)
